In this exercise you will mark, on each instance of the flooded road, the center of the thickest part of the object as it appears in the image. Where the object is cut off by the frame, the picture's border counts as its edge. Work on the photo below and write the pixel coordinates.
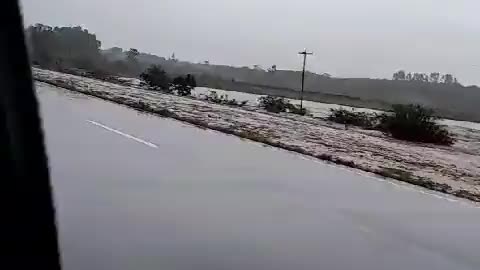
(134, 191)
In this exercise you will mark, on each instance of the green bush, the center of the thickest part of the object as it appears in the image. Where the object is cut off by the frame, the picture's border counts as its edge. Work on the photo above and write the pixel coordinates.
(405, 122)
(184, 85)
(351, 117)
(156, 77)
(273, 104)
(279, 104)
(414, 123)
(223, 99)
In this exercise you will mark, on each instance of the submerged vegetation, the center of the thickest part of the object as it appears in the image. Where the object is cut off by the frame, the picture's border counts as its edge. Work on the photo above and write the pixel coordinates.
(279, 104)
(354, 118)
(214, 97)
(414, 123)
(157, 79)
(405, 122)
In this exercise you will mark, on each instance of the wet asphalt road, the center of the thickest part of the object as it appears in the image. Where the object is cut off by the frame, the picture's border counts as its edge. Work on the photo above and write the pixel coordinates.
(134, 191)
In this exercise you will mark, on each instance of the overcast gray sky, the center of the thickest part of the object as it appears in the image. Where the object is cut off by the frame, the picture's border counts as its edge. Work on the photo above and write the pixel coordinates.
(350, 38)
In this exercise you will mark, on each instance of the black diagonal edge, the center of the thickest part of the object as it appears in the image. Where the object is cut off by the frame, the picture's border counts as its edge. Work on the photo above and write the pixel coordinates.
(28, 236)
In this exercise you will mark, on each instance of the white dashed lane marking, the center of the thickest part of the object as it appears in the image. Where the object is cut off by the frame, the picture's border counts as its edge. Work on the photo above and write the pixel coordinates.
(123, 134)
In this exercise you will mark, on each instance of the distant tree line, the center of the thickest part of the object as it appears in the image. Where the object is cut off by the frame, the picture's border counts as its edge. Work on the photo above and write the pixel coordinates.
(67, 48)
(434, 77)
(62, 46)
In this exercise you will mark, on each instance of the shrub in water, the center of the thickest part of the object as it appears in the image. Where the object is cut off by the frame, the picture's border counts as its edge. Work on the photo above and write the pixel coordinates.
(273, 104)
(184, 85)
(223, 99)
(156, 77)
(279, 104)
(350, 117)
(414, 123)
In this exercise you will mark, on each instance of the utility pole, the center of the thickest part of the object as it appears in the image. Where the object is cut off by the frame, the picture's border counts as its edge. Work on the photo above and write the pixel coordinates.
(305, 53)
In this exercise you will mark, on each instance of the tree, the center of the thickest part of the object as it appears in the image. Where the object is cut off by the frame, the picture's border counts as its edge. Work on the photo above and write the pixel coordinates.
(448, 79)
(190, 81)
(173, 58)
(424, 77)
(273, 68)
(400, 75)
(132, 54)
(156, 77)
(434, 77)
(184, 85)
(61, 47)
(420, 77)
(409, 76)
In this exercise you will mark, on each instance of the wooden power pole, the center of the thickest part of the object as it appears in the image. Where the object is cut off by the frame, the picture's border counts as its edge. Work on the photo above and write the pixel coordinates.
(304, 53)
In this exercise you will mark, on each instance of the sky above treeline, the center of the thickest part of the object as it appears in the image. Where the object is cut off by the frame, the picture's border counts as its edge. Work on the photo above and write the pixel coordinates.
(349, 38)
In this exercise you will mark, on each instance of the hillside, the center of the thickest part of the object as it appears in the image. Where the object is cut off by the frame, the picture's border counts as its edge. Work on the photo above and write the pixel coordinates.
(449, 100)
